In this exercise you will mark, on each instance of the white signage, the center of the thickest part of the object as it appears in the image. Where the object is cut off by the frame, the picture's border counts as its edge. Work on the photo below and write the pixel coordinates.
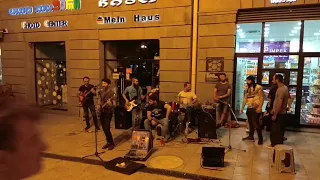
(117, 3)
(282, 1)
(122, 19)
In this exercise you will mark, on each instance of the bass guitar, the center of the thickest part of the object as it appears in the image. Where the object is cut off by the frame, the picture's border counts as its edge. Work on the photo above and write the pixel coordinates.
(83, 96)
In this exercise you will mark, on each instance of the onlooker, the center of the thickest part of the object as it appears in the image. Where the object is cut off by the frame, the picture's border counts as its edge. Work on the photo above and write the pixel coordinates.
(254, 99)
(21, 145)
(279, 111)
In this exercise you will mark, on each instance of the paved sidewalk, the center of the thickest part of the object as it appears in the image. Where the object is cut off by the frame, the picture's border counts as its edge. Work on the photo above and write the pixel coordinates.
(67, 144)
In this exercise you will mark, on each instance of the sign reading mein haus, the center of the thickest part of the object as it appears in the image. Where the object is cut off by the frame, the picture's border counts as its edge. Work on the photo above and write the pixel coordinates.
(122, 19)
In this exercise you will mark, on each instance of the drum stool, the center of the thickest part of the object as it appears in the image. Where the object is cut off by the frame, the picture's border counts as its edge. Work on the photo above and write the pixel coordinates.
(283, 159)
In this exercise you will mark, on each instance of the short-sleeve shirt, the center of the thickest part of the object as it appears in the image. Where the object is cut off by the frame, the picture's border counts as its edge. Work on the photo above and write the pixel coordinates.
(187, 97)
(222, 89)
(85, 89)
(133, 93)
(282, 95)
(158, 111)
(253, 96)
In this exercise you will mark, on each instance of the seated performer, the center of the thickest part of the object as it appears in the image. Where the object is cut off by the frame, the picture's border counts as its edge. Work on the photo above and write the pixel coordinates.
(87, 91)
(187, 100)
(108, 103)
(158, 112)
(134, 92)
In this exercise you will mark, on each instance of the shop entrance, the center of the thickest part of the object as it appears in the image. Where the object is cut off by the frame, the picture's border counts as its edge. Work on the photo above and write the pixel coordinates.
(50, 75)
(127, 59)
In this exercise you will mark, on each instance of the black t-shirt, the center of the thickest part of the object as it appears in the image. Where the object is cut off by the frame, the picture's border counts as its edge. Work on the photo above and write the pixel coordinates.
(158, 111)
(272, 96)
(84, 89)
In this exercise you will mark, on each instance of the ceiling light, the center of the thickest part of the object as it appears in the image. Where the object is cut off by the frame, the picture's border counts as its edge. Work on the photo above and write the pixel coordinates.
(250, 40)
(238, 26)
(239, 30)
(272, 39)
(266, 32)
(267, 25)
(241, 34)
(299, 23)
(242, 37)
(297, 27)
(266, 35)
(266, 29)
(294, 31)
(291, 34)
(316, 34)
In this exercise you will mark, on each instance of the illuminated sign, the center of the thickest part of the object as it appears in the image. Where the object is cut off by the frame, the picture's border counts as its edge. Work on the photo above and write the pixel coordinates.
(281, 1)
(55, 24)
(35, 25)
(121, 19)
(117, 3)
(46, 23)
(57, 5)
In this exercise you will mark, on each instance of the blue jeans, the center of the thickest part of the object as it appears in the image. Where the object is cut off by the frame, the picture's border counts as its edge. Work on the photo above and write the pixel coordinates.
(163, 122)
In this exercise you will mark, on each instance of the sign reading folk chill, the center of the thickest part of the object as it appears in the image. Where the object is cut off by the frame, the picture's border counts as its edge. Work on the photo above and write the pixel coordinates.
(282, 1)
(117, 3)
(122, 19)
(57, 5)
(46, 23)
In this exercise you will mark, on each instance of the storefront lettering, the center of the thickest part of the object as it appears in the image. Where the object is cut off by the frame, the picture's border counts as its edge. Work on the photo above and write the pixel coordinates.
(282, 1)
(143, 18)
(35, 25)
(117, 3)
(57, 5)
(55, 24)
(121, 19)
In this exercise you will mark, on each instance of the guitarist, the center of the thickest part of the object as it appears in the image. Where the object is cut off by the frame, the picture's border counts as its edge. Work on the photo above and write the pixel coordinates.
(88, 89)
(108, 103)
(134, 92)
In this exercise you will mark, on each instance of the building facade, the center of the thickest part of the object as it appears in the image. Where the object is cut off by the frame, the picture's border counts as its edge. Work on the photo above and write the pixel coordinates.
(88, 30)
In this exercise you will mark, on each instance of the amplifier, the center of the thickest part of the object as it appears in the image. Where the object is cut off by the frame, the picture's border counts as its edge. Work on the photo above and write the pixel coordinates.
(212, 157)
(123, 119)
(207, 124)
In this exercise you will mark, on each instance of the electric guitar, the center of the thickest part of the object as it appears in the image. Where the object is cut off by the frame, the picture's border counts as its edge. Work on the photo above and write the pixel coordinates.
(131, 105)
(83, 96)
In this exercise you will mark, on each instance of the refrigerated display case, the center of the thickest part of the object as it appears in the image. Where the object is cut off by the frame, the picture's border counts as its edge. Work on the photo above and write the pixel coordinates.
(310, 102)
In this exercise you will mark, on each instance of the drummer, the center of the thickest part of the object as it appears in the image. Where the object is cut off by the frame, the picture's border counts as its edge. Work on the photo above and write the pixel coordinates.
(187, 100)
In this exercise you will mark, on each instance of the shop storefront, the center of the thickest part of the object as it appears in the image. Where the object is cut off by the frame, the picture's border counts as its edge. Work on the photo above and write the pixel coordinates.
(51, 45)
(275, 44)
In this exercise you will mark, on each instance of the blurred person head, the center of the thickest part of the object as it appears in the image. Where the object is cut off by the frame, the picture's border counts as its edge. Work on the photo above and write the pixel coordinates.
(187, 87)
(135, 82)
(223, 77)
(86, 80)
(21, 145)
(251, 81)
(277, 79)
(105, 82)
(153, 100)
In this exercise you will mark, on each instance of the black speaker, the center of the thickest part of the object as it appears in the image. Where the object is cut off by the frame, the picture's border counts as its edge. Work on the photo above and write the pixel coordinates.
(123, 119)
(207, 124)
(212, 156)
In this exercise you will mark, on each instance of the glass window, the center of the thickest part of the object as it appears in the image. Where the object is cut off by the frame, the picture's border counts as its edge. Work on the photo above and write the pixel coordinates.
(311, 39)
(282, 37)
(51, 80)
(248, 38)
(280, 62)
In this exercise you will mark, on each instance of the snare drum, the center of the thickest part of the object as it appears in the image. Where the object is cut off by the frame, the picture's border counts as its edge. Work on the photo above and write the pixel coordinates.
(175, 106)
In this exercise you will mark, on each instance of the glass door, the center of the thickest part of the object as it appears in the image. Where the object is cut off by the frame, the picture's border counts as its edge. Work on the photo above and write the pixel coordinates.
(310, 101)
(245, 66)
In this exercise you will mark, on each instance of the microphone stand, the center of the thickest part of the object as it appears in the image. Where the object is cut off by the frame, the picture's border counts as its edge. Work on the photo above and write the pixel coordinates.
(96, 154)
(229, 147)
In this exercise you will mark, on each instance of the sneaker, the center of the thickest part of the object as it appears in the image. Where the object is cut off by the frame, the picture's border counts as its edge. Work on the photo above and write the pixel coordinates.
(158, 129)
(248, 139)
(270, 146)
(247, 130)
(108, 146)
(111, 147)
(260, 142)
